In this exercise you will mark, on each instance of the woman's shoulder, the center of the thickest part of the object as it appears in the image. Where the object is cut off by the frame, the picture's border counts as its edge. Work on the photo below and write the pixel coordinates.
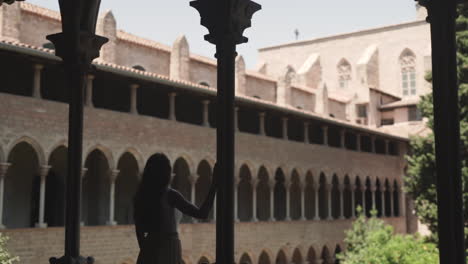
(173, 194)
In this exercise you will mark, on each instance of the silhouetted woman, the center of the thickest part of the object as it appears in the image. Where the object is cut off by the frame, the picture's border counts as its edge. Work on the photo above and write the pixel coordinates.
(155, 213)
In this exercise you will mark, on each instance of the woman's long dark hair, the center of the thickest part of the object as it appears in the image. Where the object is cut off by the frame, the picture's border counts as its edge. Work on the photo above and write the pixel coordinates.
(155, 180)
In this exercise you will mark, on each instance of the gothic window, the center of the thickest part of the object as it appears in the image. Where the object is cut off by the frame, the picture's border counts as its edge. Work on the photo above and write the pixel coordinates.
(408, 72)
(344, 74)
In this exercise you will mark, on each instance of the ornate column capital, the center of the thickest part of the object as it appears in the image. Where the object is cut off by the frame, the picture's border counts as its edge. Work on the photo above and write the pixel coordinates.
(113, 175)
(206, 102)
(38, 67)
(133, 86)
(3, 169)
(44, 171)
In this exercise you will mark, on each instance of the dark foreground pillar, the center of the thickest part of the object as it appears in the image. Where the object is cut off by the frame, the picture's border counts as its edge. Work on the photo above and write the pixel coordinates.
(226, 21)
(442, 15)
(77, 45)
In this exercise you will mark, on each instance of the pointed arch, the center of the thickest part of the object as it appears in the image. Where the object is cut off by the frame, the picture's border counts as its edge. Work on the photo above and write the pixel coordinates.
(348, 187)
(33, 144)
(60, 143)
(323, 197)
(326, 256)
(312, 257)
(265, 258)
(263, 194)
(55, 182)
(281, 257)
(279, 195)
(202, 185)
(182, 181)
(105, 151)
(245, 259)
(137, 156)
(310, 189)
(407, 61)
(126, 185)
(186, 158)
(295, 191)
(245, 194)
(297, 257)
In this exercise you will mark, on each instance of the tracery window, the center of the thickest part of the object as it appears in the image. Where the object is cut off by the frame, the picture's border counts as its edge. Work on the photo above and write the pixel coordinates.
(344, 74)
(408, 72)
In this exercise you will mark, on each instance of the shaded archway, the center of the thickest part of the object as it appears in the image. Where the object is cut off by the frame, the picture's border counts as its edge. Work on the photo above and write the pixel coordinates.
(359, 202)
(181, 182)
(396, 199)
(281, 258)
(264, 258)
(309, 196)
(244, 194)
(202, 186)
(55, 187)
(203, 260)
(297, 257)
(387, 199)
(347, 197)
(326, 257)
(368, 197)
(21, 201)
(295, 193)
(95, 196)
(263, 195)
(245, 259)
(312, 256)
(335, 255)
(335, 196)
(125, 187)
(323, 197)
(280, 196)
(378, 198)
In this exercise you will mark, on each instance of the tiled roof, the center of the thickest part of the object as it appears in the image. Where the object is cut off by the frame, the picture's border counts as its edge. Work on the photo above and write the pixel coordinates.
(44, 12)
(204, 59)
(302, 88)
(340, 96)
(212, 90)
(405, 102)
(259, 75)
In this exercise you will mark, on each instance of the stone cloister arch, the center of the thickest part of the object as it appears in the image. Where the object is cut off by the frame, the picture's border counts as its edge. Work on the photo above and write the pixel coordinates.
(310, 197)
(96, 189)
(183, 182)
(295, 193)
(387, 195)
(326, 256)
(378, 198)
(22, 187)
(55, 191)
(323, 197)
(245, 195)
(263, 195)
(358, 194)
(245, 259)
(281, 258)
(280, 205)
(264, 258)
(312, 256)
(335, 196)
(368, 196)
(297, 257)
(202, 186)
(396, 199)
(337, 251)
(348, 197)
(126, 185)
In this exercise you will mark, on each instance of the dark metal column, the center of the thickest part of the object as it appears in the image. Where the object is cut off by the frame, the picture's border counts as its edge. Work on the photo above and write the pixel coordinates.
(77, 45)
(226, 21)
(442, 15)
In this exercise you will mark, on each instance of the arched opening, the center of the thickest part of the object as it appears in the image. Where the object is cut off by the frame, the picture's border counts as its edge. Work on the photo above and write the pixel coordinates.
(295, 196)
(312, 256)
(297, 257)
(55, 187)
(368, 197)
(181, 182)
(359, 202)
(280, 196)
(326, 257)
(337, 252)
(125, 188)
(264, 259)
(378, 199)
(22, 187)
(396, 199)
(95, 197)
(387, 199)
(203, 260)
(139, 67)
(347, 197)
(335, 196)
(309, 197)
(202, 187)
(281, 258)
(263, 195)
(245, 259)
(323, 197)
(244, 195)
(344, 73)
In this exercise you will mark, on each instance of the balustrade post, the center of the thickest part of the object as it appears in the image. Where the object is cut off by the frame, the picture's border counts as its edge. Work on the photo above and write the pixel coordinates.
(272, 200)
(254, 200)
(43, 172)
(306, 133)
(133, 98)
(287, 185)
(352, 189)
(285, 127)
(37, 80)
(172, 106)
(328, 190)
(303, 198)
(261, 116)
(358, 142)
(317, 202)
(341, 188)
(206, 113)
(3, 171)
(343, 138)
(325, 135)
(89, 91)
(112, 178)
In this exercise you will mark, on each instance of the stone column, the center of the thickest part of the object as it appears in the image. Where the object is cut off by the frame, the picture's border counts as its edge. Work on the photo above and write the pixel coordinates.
(303, 197)
(341, 188)
(43, 172)
(193, 192)
(112, 178)
(325, 135)
(402, 202)
(133, 98)
(236, 198)
(328, 190)
(285, 127)
(36, 93)
(83, 173)
(236, 119)
(382, 198)
(172, 106)
(206, 113)
(254, 200)
(343, 138)
(287, 185)
(272, 200)
(363, 196)
(3, 171)
(392, 205)
(352, 189)
(358, 142)
(372, 144)
(317, 202)
(89, 91)
(261, 116)
(306, 133)
(387, 147)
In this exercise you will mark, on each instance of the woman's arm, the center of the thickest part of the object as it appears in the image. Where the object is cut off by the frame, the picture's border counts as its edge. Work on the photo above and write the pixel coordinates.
(178, 201)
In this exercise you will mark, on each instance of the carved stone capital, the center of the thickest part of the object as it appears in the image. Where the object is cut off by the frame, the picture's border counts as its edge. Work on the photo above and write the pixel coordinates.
(4, 169)
(113, 175)
(44, 171)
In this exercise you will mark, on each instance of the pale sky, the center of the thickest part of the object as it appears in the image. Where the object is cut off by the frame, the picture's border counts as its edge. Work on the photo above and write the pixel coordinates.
(273, 25)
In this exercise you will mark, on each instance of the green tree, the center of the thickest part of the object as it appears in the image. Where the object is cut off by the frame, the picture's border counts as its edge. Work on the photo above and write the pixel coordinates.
(421, 175)
(372, 241)
(5, 256)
